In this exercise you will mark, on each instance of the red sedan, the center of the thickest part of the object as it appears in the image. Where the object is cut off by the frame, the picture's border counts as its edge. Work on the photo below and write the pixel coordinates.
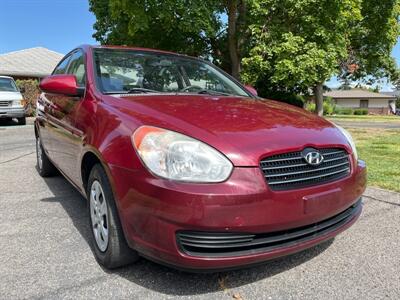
(182, 164)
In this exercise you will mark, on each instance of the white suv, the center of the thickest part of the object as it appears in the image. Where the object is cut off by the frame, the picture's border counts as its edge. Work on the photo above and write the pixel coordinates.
(11, 101)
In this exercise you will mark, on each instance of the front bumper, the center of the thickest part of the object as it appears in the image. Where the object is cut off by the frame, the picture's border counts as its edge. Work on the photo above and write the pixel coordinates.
(153, 211)
(12, 112)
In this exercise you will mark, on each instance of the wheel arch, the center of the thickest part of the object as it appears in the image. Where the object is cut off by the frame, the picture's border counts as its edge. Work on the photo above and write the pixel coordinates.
(89, 160)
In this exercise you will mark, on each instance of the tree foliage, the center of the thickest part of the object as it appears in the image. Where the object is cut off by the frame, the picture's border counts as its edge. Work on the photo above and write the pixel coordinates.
(371, 40)
(299, 44)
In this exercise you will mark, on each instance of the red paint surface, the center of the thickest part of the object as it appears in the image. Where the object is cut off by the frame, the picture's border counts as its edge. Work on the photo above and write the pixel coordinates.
(59, 84)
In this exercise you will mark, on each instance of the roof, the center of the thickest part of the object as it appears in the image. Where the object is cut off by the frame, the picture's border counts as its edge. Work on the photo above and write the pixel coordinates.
(33, 62)
(142, 49)
(356, 93)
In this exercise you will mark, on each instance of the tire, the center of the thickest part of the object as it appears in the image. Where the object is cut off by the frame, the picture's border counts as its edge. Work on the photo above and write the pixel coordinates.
(109, 245)
(44, 165)
(22, 121)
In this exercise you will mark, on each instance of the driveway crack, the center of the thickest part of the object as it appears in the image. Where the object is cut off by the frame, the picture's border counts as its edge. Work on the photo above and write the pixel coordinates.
(16, 158)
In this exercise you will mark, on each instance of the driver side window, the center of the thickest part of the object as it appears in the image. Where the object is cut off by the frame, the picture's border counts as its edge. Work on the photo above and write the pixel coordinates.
(77, 68)
(62, 66)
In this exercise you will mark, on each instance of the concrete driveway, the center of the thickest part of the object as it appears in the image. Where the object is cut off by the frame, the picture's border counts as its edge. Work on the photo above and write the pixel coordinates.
(45, 252)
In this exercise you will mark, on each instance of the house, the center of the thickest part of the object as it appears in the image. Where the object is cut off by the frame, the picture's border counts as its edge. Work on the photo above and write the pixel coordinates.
(376, 103)
(33, 63)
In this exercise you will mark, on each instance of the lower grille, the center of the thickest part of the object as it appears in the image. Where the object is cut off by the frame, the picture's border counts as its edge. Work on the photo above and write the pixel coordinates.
(5, 103)
(290, 171)
(215, 244)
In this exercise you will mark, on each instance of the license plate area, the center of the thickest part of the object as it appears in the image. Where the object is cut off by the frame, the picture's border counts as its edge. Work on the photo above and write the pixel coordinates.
(321, 202)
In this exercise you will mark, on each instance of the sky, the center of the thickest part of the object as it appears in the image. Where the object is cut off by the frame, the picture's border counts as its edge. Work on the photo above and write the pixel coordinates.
(61, 25)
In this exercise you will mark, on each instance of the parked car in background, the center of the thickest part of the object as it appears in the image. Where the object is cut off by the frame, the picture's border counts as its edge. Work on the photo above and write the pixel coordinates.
(12, 103)
(182, 164)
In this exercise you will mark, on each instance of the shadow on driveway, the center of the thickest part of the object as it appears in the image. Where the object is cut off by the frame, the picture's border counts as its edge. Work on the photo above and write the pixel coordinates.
(163, 279)
(8, 122)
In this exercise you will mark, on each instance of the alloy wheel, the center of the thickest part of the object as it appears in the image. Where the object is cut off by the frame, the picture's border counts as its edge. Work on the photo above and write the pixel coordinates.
(99, 215)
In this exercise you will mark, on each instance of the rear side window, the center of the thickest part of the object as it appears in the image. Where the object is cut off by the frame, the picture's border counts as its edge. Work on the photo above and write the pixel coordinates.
(62, 66)
(77, 68)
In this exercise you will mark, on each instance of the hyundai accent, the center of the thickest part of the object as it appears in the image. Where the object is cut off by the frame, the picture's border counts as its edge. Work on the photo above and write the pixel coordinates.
(182, 164)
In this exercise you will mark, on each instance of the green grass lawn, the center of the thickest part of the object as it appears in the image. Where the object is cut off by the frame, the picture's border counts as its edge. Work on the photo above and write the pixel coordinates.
(380, 148)
(354, 118)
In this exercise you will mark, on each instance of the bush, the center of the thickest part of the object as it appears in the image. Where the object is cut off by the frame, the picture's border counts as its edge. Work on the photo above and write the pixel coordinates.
(343, 111)
(328, 106)
(292, 99)
(310, 106)
(30, 94)
(361, 111)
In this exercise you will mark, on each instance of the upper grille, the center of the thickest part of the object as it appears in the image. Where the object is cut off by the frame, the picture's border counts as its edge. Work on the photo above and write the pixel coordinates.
(4, 103)
(223, 244)
(290, 170)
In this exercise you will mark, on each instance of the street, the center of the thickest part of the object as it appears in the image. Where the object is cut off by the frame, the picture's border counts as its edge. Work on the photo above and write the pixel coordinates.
(46, 253)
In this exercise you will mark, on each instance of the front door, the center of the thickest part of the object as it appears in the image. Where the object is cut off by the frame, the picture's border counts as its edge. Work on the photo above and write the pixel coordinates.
(65, 138)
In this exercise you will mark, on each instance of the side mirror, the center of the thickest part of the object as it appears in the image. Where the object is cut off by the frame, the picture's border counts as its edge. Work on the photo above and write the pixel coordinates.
(22, 90)
(251, 90)
(61, 84)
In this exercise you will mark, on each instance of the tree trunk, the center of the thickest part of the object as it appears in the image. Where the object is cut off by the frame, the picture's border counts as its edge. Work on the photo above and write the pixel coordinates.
(319, 99)
(232, 9)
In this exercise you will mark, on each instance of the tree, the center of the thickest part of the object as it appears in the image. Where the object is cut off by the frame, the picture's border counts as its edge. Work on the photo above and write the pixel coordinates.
(186, 26)
(371, 41)
(299, 43)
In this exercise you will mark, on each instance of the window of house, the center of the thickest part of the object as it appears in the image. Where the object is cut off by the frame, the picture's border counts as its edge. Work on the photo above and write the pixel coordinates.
(364, 103)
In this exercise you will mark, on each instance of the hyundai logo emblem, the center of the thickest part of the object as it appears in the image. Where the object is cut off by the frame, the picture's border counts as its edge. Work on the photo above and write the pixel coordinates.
(312, 156)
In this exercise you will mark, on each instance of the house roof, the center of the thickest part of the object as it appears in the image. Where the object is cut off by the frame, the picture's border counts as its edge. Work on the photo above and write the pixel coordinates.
(33, 62)
(357, 93)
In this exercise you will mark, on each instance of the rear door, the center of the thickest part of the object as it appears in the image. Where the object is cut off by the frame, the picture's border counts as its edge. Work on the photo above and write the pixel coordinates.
(65, 138)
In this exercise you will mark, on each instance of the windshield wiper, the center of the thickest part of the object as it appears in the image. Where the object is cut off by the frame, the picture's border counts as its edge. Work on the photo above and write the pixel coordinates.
(133, 91)
(141, 90)
(210, 92)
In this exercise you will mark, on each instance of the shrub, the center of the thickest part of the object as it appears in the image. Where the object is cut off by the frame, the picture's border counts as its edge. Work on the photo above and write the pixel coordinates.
(343, 111)
(361, 111)
(329, 106)
(30, 94)
(310, 106)
(293, 99)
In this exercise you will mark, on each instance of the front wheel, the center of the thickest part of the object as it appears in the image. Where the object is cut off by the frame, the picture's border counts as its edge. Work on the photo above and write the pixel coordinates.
(44, 165)
(110, 247)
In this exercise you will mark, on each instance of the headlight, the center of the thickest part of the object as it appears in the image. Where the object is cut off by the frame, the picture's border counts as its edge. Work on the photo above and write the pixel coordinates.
(350, 140)
(21, 102)
(176, 156)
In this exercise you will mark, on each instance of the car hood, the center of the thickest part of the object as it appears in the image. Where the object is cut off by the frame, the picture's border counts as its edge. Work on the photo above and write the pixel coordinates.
(244, 129)
(8, 96)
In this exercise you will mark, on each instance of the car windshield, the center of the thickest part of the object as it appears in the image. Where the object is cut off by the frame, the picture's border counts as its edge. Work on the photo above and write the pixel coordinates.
(7, 85)
(131, 71)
